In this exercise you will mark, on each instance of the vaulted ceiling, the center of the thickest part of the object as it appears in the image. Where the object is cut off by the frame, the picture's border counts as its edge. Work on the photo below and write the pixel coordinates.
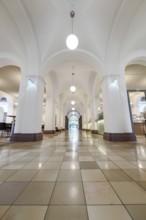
(112, 35)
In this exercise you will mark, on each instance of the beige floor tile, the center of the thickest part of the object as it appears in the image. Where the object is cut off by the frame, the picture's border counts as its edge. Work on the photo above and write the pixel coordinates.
(136, 174)
(68, 193)
(70, 158)
(116, 158)
(88, 165)
(5, 174)
(140, 164)
(15, 165)
(56, 158)
(3, 163)
(125, 165)
(70, 165)
(23, 175)
(107, 165)
(83, 149)
(36, 193)
(130, 192)
(69, 175)
(34, 165)
(9, 191)
(52, 165)
(100, 158)
(113, 212)
(66, 197)
(25, 159)
(71, 154)
(138, 212)
(46, 175)
(142, 184)
(60, 151)
(93, 175)
(84, 154)
(66, 213)
(58, 154)
(40, 159)
(25, 213)
(116, 175)
(86, 158)
(100, 193)
(3, 209)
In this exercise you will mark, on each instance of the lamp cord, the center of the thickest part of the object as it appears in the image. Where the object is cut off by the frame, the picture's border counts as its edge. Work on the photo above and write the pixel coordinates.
(72, 25)
(72, 14)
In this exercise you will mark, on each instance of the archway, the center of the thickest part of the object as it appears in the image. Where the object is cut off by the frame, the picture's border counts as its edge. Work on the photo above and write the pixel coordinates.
(135, 82)
(73, 123)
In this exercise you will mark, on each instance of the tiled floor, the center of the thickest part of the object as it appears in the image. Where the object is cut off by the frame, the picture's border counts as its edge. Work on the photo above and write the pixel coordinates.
(73, 176)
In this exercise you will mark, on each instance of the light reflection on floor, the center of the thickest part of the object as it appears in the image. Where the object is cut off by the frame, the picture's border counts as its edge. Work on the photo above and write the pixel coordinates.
(73, 175)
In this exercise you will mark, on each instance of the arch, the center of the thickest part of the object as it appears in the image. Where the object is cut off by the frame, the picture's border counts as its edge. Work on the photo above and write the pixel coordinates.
(8, 58)
(75, 113)
(133, 57)
(80, 55)
(6, 103)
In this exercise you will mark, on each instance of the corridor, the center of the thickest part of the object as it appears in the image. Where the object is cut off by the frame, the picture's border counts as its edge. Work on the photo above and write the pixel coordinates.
(73, 176)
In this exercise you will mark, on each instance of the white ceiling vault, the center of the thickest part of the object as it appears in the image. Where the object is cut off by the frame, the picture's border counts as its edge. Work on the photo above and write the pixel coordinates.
(112, 35)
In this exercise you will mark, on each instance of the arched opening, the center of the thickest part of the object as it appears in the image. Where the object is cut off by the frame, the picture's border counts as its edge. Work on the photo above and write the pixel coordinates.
(135, 81)
(73, 123)
(3, 109)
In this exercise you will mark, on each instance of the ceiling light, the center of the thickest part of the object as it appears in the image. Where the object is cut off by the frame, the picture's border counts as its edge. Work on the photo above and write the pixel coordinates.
(72, 87)
(72, 102)
(72, 40)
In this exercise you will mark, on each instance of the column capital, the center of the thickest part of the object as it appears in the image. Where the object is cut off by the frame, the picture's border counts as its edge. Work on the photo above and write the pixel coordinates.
(35, 78)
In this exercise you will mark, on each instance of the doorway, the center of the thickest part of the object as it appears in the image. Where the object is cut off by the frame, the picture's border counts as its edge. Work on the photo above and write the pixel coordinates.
(73, 123)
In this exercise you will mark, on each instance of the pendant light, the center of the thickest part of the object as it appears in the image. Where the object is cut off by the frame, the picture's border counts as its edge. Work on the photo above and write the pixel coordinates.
(72, 40)
(72, 87)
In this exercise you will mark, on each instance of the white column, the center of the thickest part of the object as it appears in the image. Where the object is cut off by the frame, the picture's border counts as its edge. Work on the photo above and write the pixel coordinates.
(59, 118)
(85, 120)
(117, 123)
(58, 122)
(93, 116)
(29, 111)
(1, 114)
(49, 116)
(62, 119)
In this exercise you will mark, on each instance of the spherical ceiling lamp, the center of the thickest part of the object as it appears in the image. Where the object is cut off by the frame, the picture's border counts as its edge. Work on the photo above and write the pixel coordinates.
(72, 40)
(72, 88)
(72, 102)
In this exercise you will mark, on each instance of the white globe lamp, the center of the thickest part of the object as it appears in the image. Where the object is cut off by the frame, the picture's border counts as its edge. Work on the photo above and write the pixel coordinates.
(72, 88)
(72, 40)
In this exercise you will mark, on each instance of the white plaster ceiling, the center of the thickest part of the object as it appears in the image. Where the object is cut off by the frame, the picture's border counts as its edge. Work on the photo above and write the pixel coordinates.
(32, 37)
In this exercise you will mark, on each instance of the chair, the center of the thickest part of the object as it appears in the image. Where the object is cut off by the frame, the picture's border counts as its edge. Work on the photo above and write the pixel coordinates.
(2, 128)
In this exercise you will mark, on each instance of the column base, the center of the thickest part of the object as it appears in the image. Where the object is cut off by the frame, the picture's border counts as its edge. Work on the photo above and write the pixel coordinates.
(49, 131)
(119, 136)
(87, 130)
(22, 137)
(94, 131)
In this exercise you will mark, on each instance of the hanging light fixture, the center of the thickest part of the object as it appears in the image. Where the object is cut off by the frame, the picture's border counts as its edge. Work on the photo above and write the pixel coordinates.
(72, 87)
(72, 40)
(72, 102)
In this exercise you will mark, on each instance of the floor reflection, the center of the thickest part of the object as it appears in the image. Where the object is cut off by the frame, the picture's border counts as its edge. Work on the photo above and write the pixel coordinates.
(73, 175)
